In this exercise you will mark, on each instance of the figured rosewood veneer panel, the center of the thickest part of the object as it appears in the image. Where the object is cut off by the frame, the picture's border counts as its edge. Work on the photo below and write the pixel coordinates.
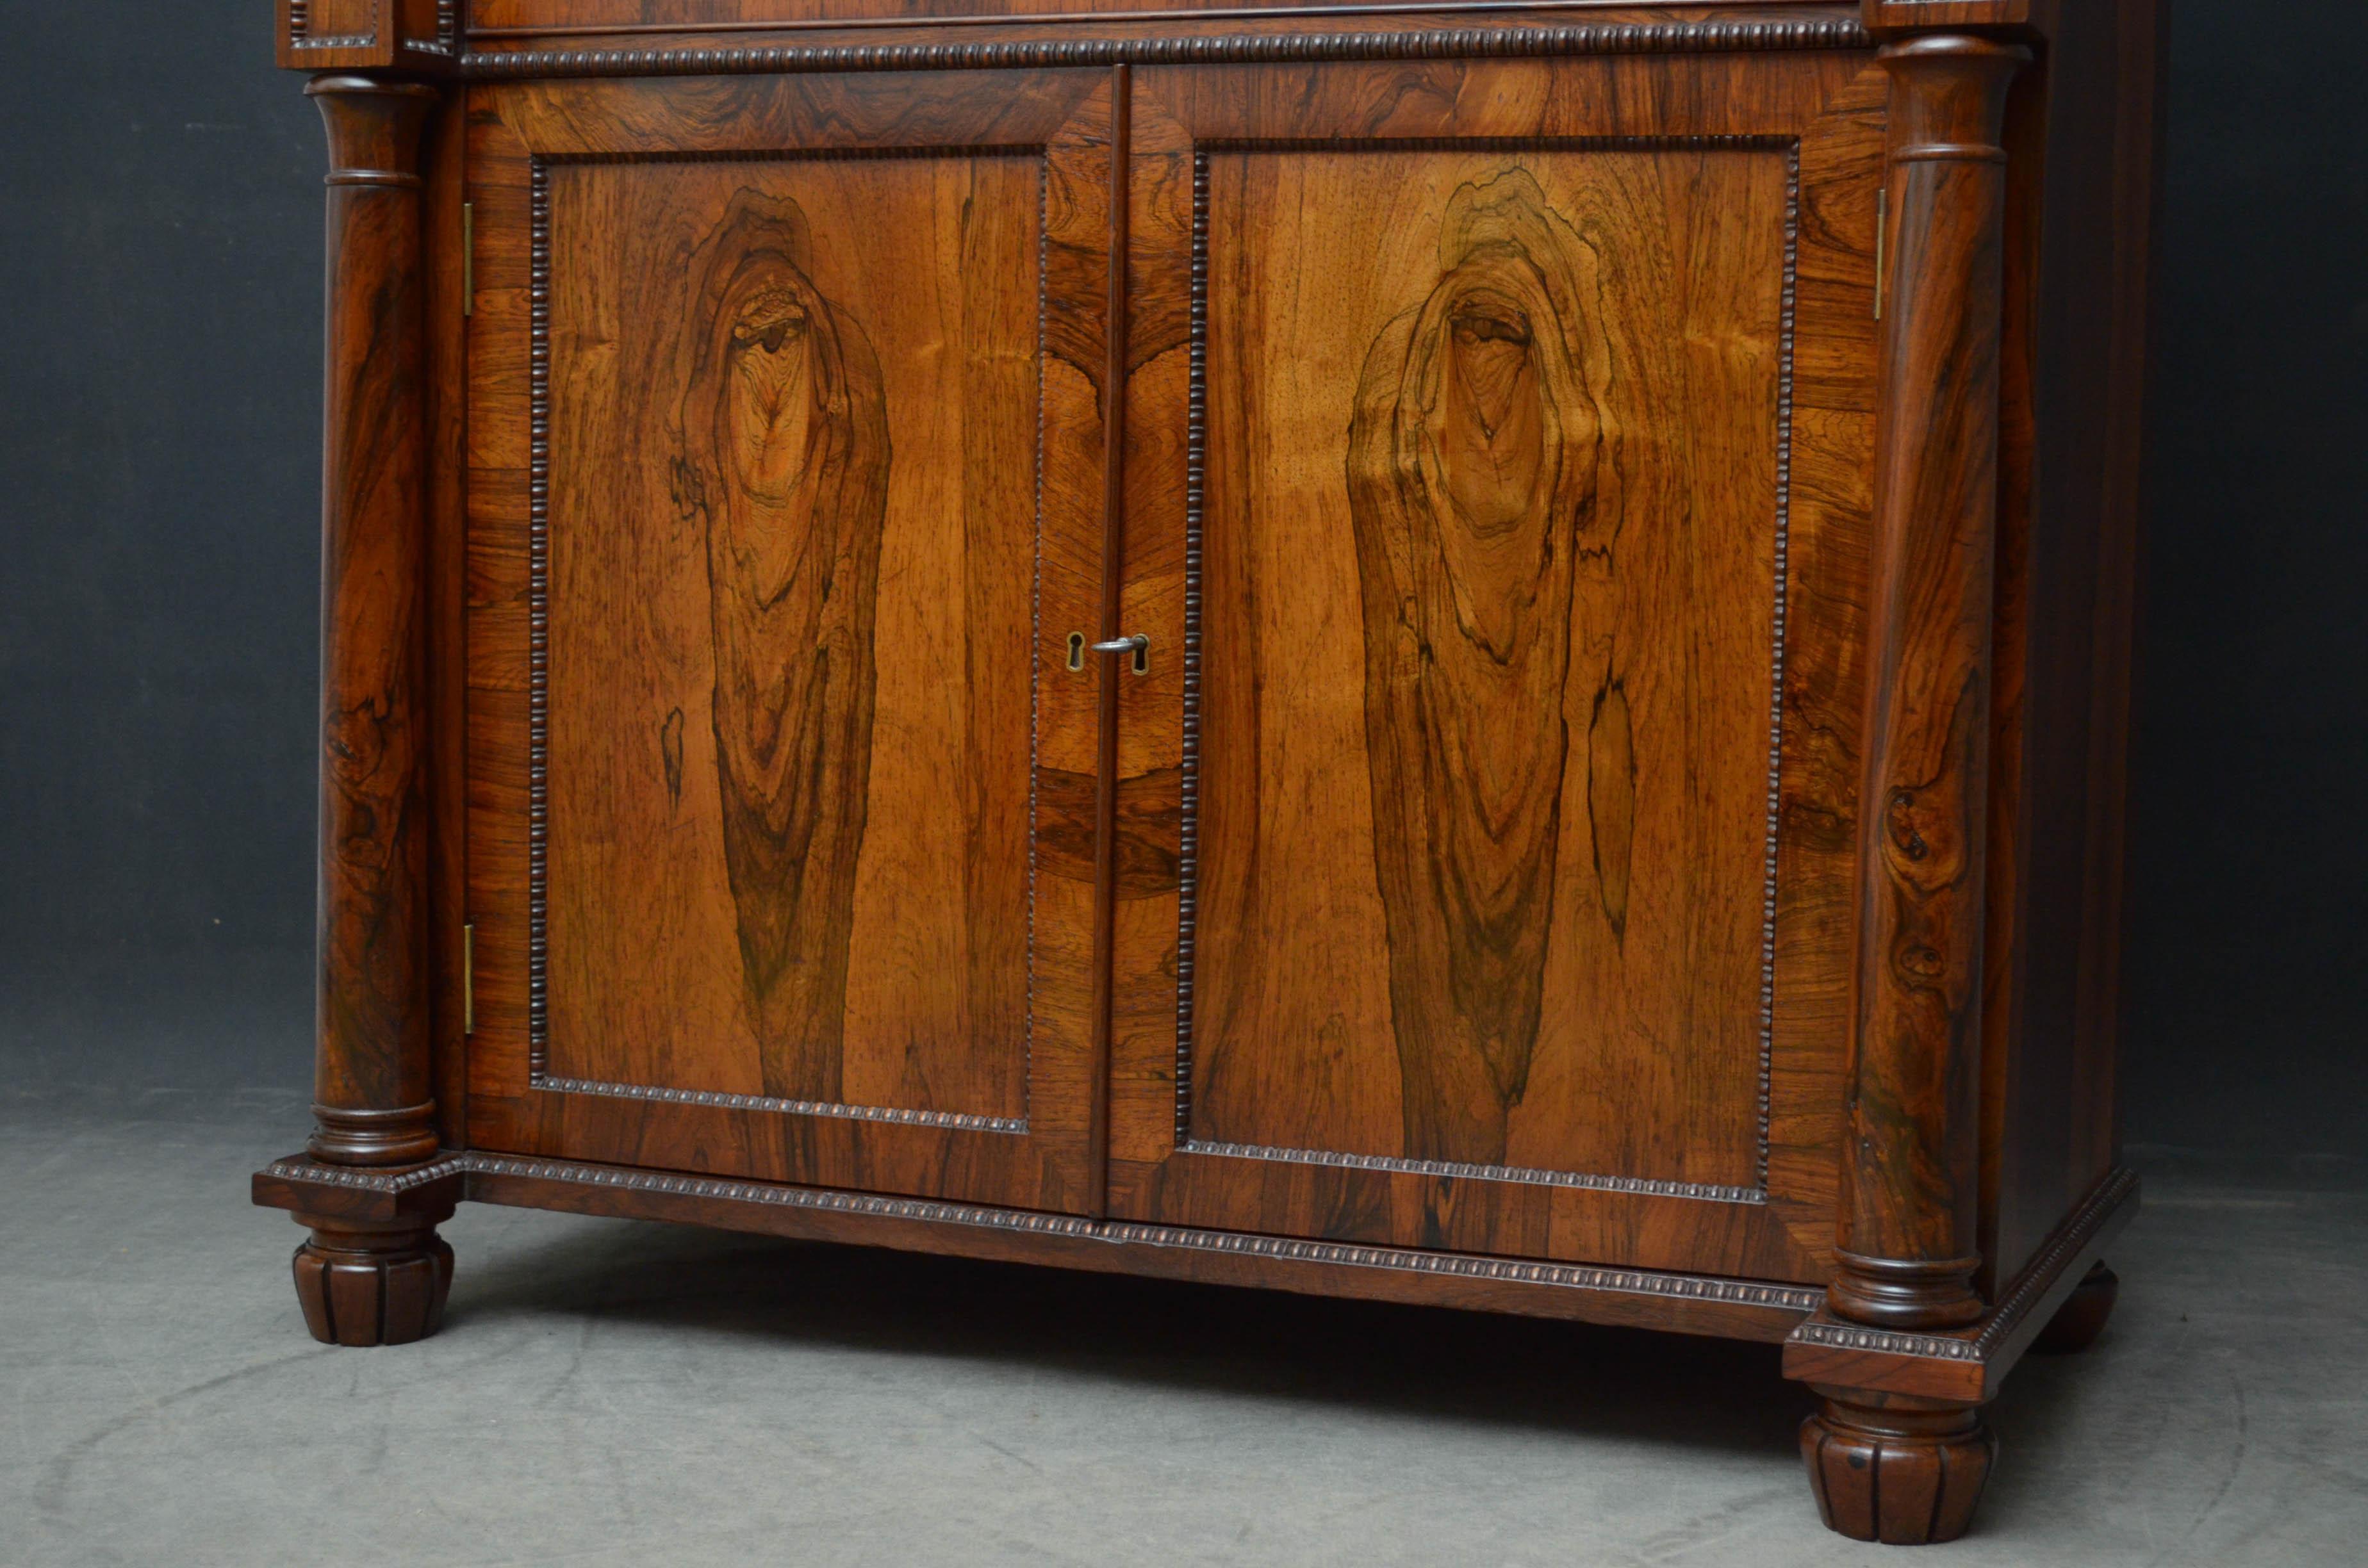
(794, 419)
(1483, 861)
(791, 562)
(1495, 459)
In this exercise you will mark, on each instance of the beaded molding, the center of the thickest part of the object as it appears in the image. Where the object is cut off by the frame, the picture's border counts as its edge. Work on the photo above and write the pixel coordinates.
(1633, 1186)
(961, 1120)
(299, 1168)
(1561, 1275)
(446, 41)
(1594, 37)
(2105, 1200)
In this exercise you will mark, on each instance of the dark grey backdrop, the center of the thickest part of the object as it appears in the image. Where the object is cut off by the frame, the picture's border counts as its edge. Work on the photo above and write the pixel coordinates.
(160, 337)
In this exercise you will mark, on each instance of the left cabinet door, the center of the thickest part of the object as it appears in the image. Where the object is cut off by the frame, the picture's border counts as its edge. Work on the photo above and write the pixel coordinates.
(784, 495)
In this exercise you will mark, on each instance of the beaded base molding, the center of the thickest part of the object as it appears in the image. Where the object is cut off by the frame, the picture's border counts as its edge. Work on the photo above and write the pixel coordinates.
(1818, 1348)
(1742, 1308)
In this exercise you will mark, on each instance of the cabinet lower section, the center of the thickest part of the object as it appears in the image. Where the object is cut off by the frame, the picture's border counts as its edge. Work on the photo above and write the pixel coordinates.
(1964, 1365)
(1897, 1451)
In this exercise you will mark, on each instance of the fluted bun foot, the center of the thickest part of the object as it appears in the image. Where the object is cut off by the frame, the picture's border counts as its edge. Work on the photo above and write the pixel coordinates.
(372, 1284)
(1904, 1476)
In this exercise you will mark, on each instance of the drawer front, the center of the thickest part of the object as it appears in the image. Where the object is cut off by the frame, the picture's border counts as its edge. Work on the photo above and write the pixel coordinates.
(778, 767)
(1498, 471)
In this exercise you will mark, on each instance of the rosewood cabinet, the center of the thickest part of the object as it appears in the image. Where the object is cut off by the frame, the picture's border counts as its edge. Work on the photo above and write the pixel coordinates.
(1471, 656)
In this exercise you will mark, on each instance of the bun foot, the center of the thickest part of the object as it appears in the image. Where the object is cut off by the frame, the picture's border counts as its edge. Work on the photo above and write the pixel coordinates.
(2082, 1316)
(1907, 1473)
(362, 1284)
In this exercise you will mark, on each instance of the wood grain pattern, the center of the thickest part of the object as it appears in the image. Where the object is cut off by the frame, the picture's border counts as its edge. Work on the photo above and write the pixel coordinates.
(2006, 962)
(784, 461)
(1475, 458)
(1910, 1216)
(1287, 988)
(880, 936)
(444, 165)
(1108, 849)
(789, 917)
(373, 1100)
(1505, 620)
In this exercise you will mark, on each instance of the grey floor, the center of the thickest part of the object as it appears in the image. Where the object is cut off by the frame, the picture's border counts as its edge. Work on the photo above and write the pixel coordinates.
(607, 1391)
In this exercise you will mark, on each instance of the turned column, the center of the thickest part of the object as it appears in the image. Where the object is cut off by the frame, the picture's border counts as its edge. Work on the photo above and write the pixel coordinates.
(1887, 1467)
(372, 1100)
(1911, 1164)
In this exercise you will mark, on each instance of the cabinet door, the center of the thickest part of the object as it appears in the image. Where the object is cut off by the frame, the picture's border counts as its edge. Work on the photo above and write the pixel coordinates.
(784, 492)
(1497, 505)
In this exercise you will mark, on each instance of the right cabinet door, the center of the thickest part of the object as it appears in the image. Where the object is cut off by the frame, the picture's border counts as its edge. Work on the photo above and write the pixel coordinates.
(1497, 504)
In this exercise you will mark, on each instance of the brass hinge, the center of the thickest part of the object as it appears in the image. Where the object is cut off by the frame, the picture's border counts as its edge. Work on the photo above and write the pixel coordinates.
(469, 978)
(1882, 244)
(467, 258)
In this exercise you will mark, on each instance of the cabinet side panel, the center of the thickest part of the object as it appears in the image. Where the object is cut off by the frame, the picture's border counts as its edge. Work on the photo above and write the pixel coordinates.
(2050, 1073)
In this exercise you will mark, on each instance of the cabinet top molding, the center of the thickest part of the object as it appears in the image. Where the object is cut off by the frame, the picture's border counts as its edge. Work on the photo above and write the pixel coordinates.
(1241, 48)
(509, 39)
